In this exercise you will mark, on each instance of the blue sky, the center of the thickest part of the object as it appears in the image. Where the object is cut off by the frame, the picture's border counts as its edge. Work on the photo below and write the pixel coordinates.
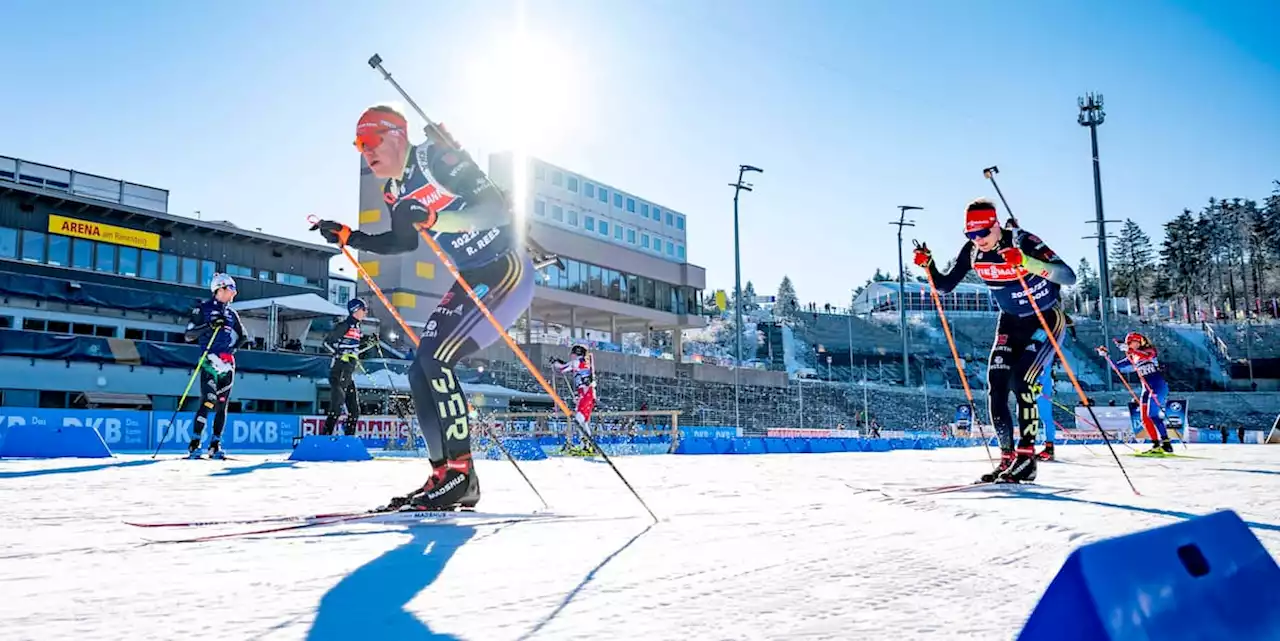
(245, 110)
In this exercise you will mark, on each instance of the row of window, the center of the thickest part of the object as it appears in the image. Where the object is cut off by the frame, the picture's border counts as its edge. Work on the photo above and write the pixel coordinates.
(75, 400)
(647, 211)
(602, 282)
(90, 329)
(612, 230)
(77, 253)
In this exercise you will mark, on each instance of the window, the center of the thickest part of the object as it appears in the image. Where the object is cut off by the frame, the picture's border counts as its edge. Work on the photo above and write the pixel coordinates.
(573, 218)
(557, 213)
(8, 243)
(588, 190)
(617, 232)
(657, 213)
(239, 271)
(557, 178)
(680, 252)
(571, 183)
(105, 259)
(169, 268)
(82, 254)
(589, 223)
(617, 200)
(604, 228)
(680, 223)
(264, 274)
(59, 248)
(644, 240)
(631, 236)
(128, 263)
(670, 220)
(150, 265)
(644, 210)
(539, 208)
(603, 195)
(207, 269)
(631, 205)
(190, 271)
(539, 172)
(32, 246)
(671, 248)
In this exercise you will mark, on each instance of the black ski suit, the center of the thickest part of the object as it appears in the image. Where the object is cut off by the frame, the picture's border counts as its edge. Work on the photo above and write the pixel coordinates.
(1021, 348)
(344, 342)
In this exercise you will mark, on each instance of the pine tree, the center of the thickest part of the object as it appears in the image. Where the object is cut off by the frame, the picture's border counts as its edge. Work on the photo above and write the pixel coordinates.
(1087, 285)
(749, 298)
(1184, 257)
(1131, 253)
(788, 305)
(881, 277)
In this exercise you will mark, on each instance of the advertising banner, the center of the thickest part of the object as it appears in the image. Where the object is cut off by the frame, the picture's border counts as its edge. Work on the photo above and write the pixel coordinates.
(964, 416)
(120, 429)
(262, 432)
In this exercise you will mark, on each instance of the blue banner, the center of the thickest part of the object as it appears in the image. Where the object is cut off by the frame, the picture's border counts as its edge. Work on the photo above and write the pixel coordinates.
(1175, 413)
(1135, 418)
(964, 416)
(708, 432)
(120, 429)
(242, 431)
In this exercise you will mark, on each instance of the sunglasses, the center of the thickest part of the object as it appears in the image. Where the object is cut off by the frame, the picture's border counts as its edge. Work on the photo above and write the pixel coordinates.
(371, 139)
(978, 235)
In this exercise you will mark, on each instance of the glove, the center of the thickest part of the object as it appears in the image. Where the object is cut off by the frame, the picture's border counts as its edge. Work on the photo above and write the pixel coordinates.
(416, 212)
(217, 323)
(333, 232)
(349, 357)
(1102, 351)
(923, 256)
(1013, 257)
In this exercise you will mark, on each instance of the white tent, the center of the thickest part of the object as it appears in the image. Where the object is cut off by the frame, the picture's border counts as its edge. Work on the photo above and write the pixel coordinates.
(265, 316)
(385, 379)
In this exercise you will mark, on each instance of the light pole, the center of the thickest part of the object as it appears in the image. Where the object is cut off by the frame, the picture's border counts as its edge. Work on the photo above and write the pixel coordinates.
(902, 290)
(738, 187)
(1091, 116)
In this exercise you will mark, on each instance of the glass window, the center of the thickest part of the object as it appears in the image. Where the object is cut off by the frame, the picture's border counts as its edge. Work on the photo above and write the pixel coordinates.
(540, 207)
(128, 263)
(589, 223)
(680, 223)
(169, 268)
(573, 275)
(240, 271)
(557, 178)
(603, 195)
(617, 201)
(644, 210)
(573, 218)
(595, 280)
(264, 274)
(557, 213)
(82, 253)
(190, 271)
(644, 240)
(670, 220)
(671, 248)
(207, 269)
(105, 260)
(631, 205)
(617, 232)
(32, 246)
(8, 243)
(633, 289)
(149, 266)
(680, 252)
(631, 236)
(657, 213)
(604, 228)
(539, 172)
(588, 190)
(59, 248)
(571, 183)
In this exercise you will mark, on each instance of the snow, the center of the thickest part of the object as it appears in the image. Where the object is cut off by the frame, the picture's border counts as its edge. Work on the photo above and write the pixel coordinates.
(750, 547)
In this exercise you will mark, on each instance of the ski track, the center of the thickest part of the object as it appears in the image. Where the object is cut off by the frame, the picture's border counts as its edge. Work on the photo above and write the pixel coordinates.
(751, 547)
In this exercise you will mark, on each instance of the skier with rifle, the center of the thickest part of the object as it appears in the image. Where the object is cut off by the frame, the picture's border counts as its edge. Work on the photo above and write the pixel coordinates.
(216, 326)
(345, 342)
(1021, 348)
(1139, 355)
(581, 366)
(434, 187)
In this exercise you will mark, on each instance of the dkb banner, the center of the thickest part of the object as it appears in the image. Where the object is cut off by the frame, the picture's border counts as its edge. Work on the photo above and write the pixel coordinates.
(120, 429)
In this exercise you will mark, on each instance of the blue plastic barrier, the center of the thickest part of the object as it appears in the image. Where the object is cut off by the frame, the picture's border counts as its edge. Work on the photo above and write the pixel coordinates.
(1205, 578)
(826, 445)
(330, 448)
(747, 446)
(776, 446)
(521, 448)
(797, 445)
(52, 441)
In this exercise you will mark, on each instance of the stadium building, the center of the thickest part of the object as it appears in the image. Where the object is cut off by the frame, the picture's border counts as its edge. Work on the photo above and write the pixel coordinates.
(883, 297)
(98, 278)
(625, 260)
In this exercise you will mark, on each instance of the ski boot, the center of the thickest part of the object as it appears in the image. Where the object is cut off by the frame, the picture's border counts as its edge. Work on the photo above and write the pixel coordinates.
(1155, 451)
(1166, 445)
(1023, 469)
(1006, 460)
(193, 449)
(1047, 453)
(453, 485)
(215, 450)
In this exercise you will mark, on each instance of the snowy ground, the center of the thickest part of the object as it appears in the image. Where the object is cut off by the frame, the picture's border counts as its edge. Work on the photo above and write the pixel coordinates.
(750, 547)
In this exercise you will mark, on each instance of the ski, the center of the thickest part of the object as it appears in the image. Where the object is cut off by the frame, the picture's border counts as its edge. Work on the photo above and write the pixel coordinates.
(299, 518)
(983, 485)
(396, 518)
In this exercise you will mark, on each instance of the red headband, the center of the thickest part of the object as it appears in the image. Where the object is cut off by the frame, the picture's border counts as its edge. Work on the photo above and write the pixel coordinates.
(979, 219)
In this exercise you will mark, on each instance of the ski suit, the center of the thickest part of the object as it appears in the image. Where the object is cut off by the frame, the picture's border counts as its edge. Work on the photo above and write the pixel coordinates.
(584, 384)
(442, 189)
(216, 327)
(343, 342)
(1155, 390)
(1021, 349)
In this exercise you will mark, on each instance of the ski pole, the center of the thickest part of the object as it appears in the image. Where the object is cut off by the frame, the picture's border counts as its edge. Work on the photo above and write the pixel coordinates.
(955, 354)
(376, 63)
(183, 399)
(1066, 367)
(990, 174)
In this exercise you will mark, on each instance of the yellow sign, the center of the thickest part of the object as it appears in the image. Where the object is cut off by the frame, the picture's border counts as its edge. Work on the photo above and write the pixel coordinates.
(103, 233)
